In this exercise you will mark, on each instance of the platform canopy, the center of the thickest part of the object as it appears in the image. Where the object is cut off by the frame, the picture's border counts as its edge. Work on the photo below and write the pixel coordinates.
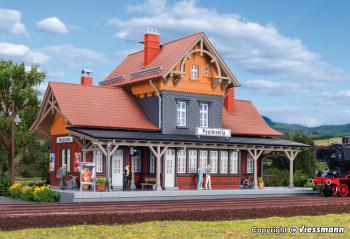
(108, 140)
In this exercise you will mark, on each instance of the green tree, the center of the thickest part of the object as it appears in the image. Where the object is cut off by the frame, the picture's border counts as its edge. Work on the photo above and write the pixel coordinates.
(305, 160)
(18, 86)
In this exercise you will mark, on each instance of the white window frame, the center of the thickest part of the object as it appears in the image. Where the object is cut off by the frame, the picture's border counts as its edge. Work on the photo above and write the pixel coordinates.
(65, 158)
(117, 166)
(68, 159)
(181, 161)
(97, 158)
(137, 162)
(192, 161)
(181, 107)
(223, 162)
(250, 164)
(204, 115)
(152, 162)
(234, 162)
(203, 158)
(206, 70)
(214, 158)
(194, 72)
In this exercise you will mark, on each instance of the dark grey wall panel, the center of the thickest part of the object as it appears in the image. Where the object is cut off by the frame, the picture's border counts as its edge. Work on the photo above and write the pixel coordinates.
(169, 113)
(150, 106)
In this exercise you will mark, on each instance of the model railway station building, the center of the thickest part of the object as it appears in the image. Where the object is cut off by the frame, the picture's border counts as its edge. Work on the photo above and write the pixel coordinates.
(165, 111)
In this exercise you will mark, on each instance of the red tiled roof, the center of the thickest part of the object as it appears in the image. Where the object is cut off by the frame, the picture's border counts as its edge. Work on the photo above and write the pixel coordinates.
(170, 53)
(246, 120)
(97, 106)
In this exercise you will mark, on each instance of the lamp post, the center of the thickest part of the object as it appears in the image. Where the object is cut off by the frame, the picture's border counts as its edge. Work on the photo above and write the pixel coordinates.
(15, 120)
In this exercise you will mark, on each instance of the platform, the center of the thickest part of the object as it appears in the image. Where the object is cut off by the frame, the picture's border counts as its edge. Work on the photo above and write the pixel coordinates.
(147, 195)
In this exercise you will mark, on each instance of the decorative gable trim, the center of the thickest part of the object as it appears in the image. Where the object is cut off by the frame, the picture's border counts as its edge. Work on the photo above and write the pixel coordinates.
(225, 80)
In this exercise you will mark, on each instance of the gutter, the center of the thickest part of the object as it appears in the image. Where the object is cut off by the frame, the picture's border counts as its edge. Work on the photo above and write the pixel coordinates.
(159, 102)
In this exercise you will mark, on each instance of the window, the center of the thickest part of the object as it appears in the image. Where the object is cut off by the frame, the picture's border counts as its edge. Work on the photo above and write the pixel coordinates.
(194, 72)
(136, 162)
(223, 161)
(234, 162)
(192, 158)
(181, 113)
(181, 161)
(206, 70)
(117, 158)
(250, 164)
(65, 158)
(203, 115)
(97, 158)
(203, 158)
(214, 161)
(152, 159)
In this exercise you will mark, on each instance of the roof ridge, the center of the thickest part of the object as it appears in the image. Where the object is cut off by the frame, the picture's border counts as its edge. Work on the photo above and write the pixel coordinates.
(178, 39)
(243, 100)
(75, 84)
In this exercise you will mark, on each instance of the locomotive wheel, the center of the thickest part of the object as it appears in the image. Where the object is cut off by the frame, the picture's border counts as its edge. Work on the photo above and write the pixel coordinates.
(343, 190)
(334, 190)
(327, 192)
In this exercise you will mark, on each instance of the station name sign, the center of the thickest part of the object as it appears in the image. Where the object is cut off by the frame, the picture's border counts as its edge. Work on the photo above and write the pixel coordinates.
(213, 132)
(66, 139)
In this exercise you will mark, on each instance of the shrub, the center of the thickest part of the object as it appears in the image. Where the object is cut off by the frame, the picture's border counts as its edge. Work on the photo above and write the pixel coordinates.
(309, 185)
(275, 177)
(299, 179)
(15, 190)
(45, 194)
(34, 193)
(4, 185)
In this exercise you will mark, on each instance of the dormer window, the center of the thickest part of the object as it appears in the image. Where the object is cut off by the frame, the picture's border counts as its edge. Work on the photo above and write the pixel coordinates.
(181, 113)
(194, 72)
(206, 70)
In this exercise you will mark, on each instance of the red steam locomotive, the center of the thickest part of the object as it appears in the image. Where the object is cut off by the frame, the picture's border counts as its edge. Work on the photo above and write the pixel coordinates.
(334, 180)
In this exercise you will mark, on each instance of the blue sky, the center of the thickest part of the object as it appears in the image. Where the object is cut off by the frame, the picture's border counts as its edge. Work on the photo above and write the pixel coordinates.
(292, 58)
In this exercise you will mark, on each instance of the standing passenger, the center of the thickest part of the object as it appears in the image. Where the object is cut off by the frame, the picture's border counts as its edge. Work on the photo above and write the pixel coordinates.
(208, 177)
(126, 176)
(201, 171)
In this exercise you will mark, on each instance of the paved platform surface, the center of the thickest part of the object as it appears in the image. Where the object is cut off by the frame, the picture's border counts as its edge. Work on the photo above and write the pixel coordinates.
(86, 196)
(7, 200)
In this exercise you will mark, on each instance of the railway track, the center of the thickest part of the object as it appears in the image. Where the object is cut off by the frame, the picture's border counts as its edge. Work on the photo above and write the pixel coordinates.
(14, 216)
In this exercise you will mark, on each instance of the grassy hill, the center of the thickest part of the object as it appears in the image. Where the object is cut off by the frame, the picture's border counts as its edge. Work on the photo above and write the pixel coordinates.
(322, 132)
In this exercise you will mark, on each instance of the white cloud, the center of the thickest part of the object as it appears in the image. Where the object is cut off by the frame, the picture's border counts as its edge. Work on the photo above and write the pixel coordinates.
(56, 74)
(149, 7)
(22, 53)
(10, 22)
(251, 46)
(74, 56)
(341, 98)
(273, 87)
(52, 25)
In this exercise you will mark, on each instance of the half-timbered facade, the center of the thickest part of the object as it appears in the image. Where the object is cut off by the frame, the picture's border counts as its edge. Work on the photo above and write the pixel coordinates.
(165, 111)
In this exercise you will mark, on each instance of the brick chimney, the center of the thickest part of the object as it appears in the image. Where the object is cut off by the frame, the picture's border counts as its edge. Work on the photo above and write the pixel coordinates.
(86, 78)
(151, 45)
(229, 101)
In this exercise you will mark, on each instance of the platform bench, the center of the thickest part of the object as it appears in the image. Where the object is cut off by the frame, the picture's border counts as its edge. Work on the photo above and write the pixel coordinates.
(149, 182)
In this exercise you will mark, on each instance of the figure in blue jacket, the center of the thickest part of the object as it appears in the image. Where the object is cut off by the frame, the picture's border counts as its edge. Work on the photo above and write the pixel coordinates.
(201, 171)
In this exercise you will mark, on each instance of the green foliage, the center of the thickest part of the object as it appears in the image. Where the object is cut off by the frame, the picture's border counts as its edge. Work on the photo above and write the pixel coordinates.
(4, 185)
(309, 185)
(33, 193)
(275, 177)
(260, 180)
(20, 85)
(100, 180)
(299, 179)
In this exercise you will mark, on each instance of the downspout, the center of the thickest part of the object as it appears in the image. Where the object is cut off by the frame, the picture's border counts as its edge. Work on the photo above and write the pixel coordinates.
(159, 106)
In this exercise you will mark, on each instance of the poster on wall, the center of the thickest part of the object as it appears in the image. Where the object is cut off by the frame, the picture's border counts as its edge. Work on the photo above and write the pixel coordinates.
(77, 158)
(88, 173)
(52, 162)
